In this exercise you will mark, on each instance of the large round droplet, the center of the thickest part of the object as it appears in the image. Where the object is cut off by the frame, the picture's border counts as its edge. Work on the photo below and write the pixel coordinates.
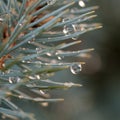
(14, 80)
(75, 68)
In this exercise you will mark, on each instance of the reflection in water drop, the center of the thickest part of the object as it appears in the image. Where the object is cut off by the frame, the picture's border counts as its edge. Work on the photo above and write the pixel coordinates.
(76, 68)
(13, 80)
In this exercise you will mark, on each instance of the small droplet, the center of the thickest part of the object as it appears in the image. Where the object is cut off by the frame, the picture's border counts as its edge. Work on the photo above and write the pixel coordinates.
(22, 23)
(23, 61)
(38, 50)
(31, 77)
(81, 3)
(75, 68)
(42, 92)
(34, 77)
(44, 104)
(1, 19)
(13, 80)
(50, 2)
(58, 52)
(71, 29)
(31, 41)
(28, 61)
(37, 77)
(59, 58)
(49, 54)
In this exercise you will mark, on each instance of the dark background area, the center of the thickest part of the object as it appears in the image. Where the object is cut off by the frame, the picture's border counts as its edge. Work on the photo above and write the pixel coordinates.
(99, 97)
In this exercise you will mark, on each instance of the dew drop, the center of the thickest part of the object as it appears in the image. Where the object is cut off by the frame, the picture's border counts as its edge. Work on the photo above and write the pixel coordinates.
(49, 54)
(75, 68)
(1, 19)
(37, 77)
(44, 104)
(34, 77)
(58, 54)
(38, 50)
(81, 3)
(59, 58)
(22, 23)
(50, 2)
(42, 92)
(71, 29)
(23, 61)
(13, 80)
(31, 77)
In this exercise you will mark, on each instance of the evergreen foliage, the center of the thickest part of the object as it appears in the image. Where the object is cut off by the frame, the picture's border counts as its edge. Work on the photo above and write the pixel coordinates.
(33, 37)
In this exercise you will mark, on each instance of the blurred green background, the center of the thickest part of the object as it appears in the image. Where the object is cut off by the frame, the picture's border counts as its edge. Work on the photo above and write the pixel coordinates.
(99, 98)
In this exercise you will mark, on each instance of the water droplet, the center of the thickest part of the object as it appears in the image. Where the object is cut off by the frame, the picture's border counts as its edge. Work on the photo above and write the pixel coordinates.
(37, 77)
(44, 104)
(1, 19)
(34, 77)
(58, 54)
(28, 61)
(31, 77)
(38, 50)
(50, 2)
(42, 92)
(81, 3)
(23, 61)
(32, 41)
(13, 80)
(22, 23)
(59, 58)
(75, 68)
(71, 29)
(49, 54)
